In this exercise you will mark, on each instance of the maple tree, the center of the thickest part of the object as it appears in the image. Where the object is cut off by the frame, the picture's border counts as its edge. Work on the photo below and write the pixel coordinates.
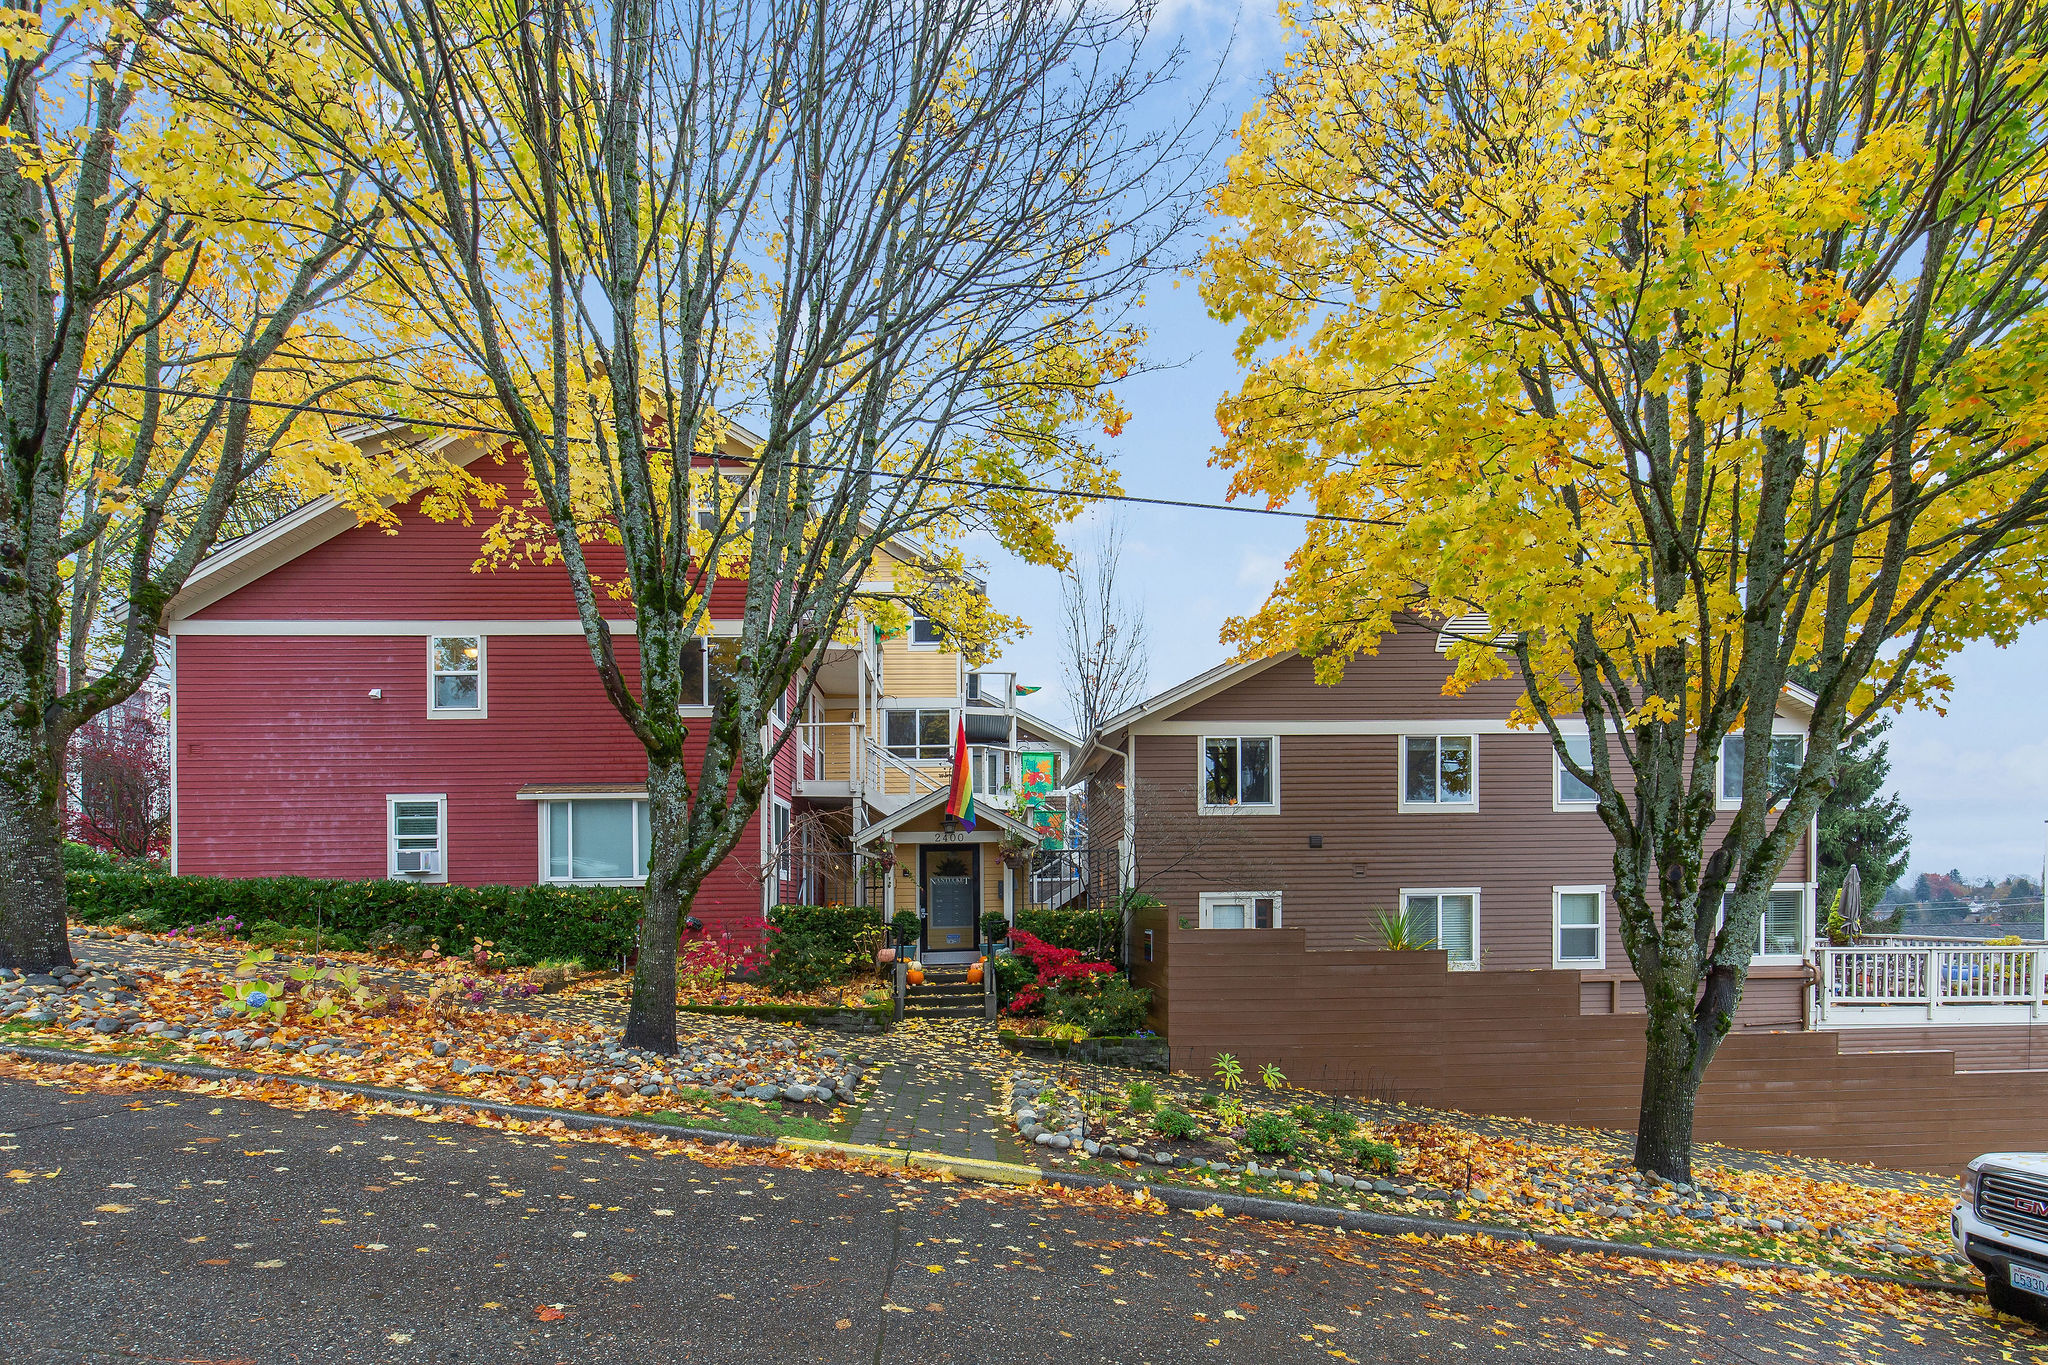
(777, 296)
(1688, 347)
(174, 289)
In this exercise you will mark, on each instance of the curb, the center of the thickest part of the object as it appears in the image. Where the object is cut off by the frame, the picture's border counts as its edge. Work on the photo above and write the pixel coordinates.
(1005, 1173)
(971, 1168)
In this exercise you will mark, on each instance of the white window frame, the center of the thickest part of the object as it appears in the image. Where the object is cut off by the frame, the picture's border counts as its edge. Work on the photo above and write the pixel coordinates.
(1559, 802)
(1211, 899)
(892, 705)
(1596, 963)
(543, 802)
(910, 640)
(1407, 807)
(745, 489)
(701, 706)
(1780, 729)
(1760, 958)
(781, 812)
(482, 709)
(391, 804)
(1202, 805)
(1471, 891)
(1763, 959)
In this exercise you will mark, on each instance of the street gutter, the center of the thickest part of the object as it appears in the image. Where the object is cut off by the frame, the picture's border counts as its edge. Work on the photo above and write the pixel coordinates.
(1004, 1173)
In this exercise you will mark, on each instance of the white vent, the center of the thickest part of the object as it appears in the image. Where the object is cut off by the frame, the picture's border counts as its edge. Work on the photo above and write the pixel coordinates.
(416, 861)
(1471, 626)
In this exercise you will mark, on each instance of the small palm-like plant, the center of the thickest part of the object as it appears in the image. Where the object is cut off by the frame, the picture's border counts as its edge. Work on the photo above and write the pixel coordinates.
(1228, 1070)
(1402, 933)
(1272, 1076)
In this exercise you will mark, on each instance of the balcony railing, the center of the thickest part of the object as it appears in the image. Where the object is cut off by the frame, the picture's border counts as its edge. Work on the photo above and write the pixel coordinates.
(996, 689)
(1931, 981)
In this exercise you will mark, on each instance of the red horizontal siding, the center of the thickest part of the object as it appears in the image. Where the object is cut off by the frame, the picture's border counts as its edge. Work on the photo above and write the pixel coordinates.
(425, 570)
(284, 760)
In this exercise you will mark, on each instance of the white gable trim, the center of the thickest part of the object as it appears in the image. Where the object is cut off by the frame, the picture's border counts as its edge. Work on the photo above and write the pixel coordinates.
(242, 562)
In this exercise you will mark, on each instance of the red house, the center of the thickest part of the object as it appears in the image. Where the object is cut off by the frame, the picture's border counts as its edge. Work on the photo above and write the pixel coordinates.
(352, 701)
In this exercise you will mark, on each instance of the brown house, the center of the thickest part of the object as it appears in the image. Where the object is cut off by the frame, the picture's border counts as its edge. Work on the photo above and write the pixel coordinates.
(1253, 797)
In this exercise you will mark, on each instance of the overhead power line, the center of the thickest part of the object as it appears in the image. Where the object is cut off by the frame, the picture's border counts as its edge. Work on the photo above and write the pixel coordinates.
(985, 485)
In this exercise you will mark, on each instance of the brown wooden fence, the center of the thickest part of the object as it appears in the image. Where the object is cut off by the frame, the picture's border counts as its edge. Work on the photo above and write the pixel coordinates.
(1400, 1026)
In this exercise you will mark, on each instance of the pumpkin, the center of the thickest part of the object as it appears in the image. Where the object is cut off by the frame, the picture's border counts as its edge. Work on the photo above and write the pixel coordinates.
(974, 973)
(916, 975)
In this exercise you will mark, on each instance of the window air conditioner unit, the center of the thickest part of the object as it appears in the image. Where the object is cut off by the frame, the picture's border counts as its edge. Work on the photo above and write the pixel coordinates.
(419, 860)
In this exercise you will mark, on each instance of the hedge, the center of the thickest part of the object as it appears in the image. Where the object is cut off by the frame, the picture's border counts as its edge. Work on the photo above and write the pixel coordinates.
(1098, 934)
(594, 924)
(810, 946)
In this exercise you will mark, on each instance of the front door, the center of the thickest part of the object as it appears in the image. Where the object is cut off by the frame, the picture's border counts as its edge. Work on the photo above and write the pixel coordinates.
(951, 897)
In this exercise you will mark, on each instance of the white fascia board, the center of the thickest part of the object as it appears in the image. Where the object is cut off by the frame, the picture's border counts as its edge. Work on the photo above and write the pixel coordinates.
(243, 561)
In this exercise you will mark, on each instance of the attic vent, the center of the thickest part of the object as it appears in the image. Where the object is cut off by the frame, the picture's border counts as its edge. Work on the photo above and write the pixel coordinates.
(1473, 625)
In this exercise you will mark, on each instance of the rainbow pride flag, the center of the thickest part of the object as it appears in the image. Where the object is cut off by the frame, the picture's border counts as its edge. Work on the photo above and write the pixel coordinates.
(960, 802)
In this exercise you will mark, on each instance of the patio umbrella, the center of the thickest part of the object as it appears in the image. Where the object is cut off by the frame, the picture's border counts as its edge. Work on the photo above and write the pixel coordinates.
(1852, 901)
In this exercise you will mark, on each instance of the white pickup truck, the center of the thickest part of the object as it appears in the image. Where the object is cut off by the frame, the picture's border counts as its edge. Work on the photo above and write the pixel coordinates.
(2002, 1227)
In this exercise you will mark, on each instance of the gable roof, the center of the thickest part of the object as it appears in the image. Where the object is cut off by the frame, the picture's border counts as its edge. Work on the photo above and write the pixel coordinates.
(1176, 698)
(245, 559)
(931, 801)
(1046, 728)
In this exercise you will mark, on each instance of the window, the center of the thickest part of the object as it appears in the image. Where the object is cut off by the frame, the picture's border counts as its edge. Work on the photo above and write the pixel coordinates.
(1439, 772)
(1579, 913)
(701, 685)
(1448, 919)
(1784, 922)
(1238, 773)
(926, 633)
(715, 504)
(1241, 910)
(782, 709)
(1570, 791)
(1782, 932)
(595, 839)
(1148, 945)
(919, 734)
(455, 675)
(416, 835)
(1788, 752)
(779, 833)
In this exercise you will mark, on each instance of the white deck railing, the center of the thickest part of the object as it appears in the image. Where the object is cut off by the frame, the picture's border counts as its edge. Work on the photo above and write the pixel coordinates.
(1945, 981)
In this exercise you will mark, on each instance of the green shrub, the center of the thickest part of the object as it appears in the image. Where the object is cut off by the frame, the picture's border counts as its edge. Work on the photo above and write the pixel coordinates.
(1143, 1096)
(1098, 934)
(907, 927)
(1331, 1123)
(1272, 1135)
(1013, 973)
(592, 924)
(994, 927)
(1375, 1156)
(1106, 1004)
(812, 946)
(1175, 1123)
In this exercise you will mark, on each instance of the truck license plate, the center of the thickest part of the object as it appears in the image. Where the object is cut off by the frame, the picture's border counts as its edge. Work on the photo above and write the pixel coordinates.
(2032, 1281)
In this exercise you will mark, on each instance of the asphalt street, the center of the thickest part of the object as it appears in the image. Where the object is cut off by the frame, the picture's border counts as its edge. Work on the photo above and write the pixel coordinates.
(179, 1227)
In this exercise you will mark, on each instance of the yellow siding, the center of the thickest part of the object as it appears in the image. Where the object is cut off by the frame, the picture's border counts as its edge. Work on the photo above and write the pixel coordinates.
(908, 672)
(992, 874)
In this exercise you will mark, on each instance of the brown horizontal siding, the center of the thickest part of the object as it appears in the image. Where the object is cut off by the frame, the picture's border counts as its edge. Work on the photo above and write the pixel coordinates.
(1397, 1025)
(1404, 681)
(1977, 1047)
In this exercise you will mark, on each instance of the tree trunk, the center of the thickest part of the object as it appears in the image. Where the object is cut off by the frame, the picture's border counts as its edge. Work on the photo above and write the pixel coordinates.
(1670, 1089)
(34, 936)
(651, 1017)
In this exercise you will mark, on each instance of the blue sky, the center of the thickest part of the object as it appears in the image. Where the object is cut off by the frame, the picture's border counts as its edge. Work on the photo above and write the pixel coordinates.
(1976, 778)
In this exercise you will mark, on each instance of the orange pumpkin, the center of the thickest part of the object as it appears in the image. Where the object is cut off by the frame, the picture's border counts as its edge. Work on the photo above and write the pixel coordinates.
(916, 975)
(974, 973)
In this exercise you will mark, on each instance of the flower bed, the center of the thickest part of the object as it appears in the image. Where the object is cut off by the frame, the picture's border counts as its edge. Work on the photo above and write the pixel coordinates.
(333, 1021)
(1269, 1138)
